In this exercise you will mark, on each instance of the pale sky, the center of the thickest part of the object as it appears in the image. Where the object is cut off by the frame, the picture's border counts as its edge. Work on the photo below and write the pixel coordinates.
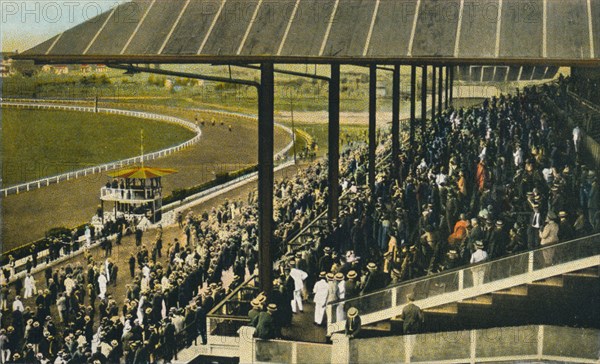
(26, 23)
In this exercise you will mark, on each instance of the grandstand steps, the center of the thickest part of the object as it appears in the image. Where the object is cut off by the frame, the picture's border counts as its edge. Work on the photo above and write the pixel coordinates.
(549, 282)
(513, 291)
(568, 299)
(450, 308)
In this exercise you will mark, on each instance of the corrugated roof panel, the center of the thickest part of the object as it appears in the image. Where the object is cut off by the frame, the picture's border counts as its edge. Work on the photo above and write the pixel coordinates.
(269, 27)
(566, 20)
(350, 28)
(119, 28)
(43, 47)
(192, 27)
(308, 28)
(521, 29)
(230, 27)
(478, 29)
(595, 5)
(155, 28)
(436, 28)
(391, 32)
(77, 39)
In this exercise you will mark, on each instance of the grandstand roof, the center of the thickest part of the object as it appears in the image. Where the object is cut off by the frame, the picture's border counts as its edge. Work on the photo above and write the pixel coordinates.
(543, 32)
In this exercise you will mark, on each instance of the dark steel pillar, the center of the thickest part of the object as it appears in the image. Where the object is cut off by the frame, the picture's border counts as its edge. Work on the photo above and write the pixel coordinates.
(440, 89)
(413, 105)
(334, 142)
(433, 94)
(266, 96)
(372, 124)
(451, 84)
(396, 119)
(423, 99)
(447, 87)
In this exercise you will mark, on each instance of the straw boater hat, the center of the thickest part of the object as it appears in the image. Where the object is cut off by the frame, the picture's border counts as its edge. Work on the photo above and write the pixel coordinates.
(352, 312)
(330, 276)
(396, 272)
(562, 214)
(339, 276)
(272, 307)
(352, 274)
(322, 274)
(372, 266)
(479, 244)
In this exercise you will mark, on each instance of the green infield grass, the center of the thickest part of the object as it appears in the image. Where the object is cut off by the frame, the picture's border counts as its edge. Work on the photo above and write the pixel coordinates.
(41, 143)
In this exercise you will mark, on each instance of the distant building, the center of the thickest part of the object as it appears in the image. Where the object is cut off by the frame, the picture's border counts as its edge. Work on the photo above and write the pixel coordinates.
(86, 68)
(61, 69)
(6, 67)
(101, 68)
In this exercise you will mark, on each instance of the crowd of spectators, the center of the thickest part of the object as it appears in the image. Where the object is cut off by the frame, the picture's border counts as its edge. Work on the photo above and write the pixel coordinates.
(490, 178)
(482, 183)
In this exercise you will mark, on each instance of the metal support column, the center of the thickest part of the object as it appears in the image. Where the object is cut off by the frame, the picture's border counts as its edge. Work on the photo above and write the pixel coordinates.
(423, 99)
(440, 89)
(413, 106)
(372, 124)
(396, 119)
(334, 142)
(433, 93)
(451, 84)
(266, 125)
(447, 79)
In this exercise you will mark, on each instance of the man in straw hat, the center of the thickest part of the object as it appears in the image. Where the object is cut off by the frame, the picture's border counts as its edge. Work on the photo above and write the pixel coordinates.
(353, 324)
(321, 291)
(266, 327)
(548, 236)
(298, 276)
(479, 256)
